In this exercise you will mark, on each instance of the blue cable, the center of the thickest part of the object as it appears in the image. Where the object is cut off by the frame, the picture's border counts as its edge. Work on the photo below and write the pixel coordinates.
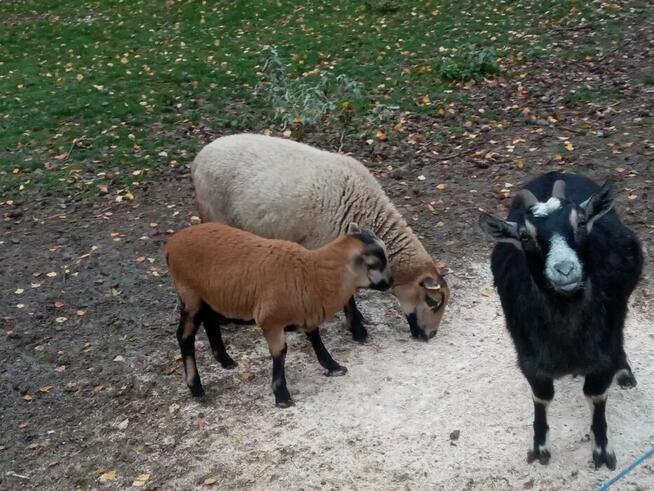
(626, 470)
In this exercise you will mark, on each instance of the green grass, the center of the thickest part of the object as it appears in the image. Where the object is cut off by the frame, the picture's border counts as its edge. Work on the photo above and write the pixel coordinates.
(590, 95)
(104, 93)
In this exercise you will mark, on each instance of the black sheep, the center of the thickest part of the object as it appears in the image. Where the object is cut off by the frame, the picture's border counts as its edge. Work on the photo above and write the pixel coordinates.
(564, 268)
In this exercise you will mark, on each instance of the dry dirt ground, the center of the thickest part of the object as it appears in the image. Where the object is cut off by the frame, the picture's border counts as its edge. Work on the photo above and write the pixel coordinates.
(91, 383)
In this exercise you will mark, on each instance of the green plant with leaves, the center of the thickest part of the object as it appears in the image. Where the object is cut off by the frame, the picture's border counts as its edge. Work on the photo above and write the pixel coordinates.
(306, 100)
(469, 62)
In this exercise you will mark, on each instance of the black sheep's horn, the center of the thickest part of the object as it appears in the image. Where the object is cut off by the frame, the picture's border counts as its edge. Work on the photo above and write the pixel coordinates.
(526, 198)
(558, 190)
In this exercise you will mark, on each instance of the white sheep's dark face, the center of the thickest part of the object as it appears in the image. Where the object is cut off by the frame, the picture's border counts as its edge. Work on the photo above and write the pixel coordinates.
(553, 236)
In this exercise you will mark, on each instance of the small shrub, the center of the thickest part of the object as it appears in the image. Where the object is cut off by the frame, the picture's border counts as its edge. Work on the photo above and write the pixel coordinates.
(469, 62)
(307, 101)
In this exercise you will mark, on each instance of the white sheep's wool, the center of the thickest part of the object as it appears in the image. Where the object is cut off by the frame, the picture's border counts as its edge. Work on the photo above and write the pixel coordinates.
(544, 209)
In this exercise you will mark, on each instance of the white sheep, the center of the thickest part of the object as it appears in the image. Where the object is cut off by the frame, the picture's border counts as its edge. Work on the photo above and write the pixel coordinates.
(281, 189)
(223, 274)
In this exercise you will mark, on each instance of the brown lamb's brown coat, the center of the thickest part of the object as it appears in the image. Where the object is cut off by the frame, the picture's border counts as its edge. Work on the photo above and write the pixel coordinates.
(275, 283)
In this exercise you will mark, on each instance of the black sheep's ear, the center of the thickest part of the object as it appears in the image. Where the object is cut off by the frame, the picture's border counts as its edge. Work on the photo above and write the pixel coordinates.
(500, 230)
(353, 228)
(599, 204)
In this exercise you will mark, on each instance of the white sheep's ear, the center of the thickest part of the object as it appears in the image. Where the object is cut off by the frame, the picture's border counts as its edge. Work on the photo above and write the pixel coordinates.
(599, 204)
(429, 284)
(500, 230)
(353, 228)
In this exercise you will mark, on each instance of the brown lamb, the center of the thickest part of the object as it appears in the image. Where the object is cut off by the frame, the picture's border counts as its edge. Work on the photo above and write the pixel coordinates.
(223, 274)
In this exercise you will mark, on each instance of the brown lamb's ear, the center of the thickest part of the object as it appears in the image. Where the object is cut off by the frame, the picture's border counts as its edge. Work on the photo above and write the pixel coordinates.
(353, 228)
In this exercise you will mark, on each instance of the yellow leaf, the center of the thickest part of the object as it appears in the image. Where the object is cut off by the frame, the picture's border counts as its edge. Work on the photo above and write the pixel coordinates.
(79, 77)
(558, 157)
(441, 186)
(45, 389)
(569, 147)
(381, 136)
(140, 480)
(520, 163)
(107, 476)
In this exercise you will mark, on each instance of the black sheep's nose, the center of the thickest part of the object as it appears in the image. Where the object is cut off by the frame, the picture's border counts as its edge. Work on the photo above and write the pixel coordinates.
(564, 267)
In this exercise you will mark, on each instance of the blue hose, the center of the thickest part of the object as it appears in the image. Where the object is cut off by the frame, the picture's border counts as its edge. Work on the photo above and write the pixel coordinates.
(626, 470)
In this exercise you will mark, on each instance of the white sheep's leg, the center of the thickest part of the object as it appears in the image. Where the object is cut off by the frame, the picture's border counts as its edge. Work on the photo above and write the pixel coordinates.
(188, 326)
(355, 321)
(542, 393)
(324, 358)
(277, 346)
(596, 386)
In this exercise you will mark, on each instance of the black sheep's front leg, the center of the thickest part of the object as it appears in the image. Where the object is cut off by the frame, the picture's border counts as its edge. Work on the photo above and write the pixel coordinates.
(595, 390)
(324, 358)
(355, 321)
(277, 346)
(542, 393)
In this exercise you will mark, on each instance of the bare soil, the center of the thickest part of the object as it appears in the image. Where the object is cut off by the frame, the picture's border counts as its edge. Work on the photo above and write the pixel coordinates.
(92, 391)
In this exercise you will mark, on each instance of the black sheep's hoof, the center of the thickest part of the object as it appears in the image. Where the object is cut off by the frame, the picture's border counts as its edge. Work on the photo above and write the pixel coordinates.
(626, 380)
(542, 456)
(336, 372)
(196, 389)
(604, 457)
(285, 403)
(228, 364)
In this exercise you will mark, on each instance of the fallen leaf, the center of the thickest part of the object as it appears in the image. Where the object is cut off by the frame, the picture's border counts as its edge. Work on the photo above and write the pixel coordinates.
(81, 312)
(520, 163)
(558, 157)
(35, 285)
(45, 389)
(60, 320)
(210, 481)
(441, 186)
(19, 291)
(60, 368)
(421, 177)
(381, 136)
(28, 397)
(107, 476)
(59, 304)
(79, 77)
(569, 147)
(123, 424)
(287, 133)
(140, 480)
(51, 274)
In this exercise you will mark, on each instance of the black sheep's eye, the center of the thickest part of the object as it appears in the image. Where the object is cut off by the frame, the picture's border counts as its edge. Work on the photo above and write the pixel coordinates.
(524, 236)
